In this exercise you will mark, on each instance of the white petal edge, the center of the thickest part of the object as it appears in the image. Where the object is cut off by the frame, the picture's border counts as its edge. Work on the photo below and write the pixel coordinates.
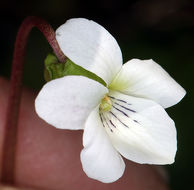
(147, 135)
(91, 46)
(99, 159)
(147, 79)
(66, 102)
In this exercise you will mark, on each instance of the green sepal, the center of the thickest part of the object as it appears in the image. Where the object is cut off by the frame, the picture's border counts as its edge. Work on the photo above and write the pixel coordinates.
(54, 70)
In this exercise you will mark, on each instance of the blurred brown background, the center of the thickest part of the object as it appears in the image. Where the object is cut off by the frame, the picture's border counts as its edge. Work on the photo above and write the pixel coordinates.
(159, 29)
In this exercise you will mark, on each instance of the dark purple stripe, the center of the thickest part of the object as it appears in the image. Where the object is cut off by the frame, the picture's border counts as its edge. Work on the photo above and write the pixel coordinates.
(118, 100)
(135, 121)
(120, 111)
(102, 120)
(125, 107)
(112, 124)
(107, 123)
(118, 119)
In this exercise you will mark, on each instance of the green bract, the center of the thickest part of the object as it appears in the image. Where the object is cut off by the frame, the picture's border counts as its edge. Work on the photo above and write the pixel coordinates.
(54, 70)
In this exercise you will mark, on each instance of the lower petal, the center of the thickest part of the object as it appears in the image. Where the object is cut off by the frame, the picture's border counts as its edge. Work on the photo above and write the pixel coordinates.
(141, 130)
(99, 159)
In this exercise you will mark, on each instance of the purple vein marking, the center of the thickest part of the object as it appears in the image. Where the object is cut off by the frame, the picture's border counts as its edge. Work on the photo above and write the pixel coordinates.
(125, 107)
(118, 100)
(112, 124)
(102, 120)
(118, 119)
(120, 111)
(107, 123)
(135, 121)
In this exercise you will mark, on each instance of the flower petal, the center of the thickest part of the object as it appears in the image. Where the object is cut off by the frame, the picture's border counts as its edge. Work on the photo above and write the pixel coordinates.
(147, 79)
(91, 46)
(66, 102)
(141, 130)
(99, 158)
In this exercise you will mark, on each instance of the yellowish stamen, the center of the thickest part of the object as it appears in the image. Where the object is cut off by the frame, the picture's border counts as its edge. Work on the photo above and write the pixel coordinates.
(106, 104)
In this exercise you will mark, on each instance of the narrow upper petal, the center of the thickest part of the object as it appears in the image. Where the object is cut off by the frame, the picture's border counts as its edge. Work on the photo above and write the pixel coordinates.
(100, 160)
(91, 46)
(66, 102)
(141, 130)
(147, 79)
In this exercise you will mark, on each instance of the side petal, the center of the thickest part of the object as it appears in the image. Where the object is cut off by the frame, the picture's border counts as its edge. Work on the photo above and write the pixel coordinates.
(99, 159)
(91, 46)
(66, 102)
(147, 79)
(141, 130)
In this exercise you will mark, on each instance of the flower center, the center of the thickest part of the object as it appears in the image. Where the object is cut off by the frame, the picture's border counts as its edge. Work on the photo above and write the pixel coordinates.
(106, 104)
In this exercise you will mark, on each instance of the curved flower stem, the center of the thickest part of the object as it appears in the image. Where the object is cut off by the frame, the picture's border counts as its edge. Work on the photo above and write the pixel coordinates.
(10, 136)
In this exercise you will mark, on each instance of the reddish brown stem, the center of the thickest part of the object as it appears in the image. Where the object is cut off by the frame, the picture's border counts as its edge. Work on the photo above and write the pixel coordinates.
(10, 137)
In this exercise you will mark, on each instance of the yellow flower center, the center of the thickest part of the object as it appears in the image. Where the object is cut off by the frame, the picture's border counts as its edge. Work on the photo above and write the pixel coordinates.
(106, 104)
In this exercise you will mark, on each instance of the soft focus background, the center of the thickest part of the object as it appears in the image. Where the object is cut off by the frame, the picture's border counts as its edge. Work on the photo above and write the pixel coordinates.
(159, 29)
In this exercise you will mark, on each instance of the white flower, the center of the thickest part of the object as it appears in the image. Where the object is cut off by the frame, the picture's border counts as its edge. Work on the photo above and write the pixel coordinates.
(125, 118)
